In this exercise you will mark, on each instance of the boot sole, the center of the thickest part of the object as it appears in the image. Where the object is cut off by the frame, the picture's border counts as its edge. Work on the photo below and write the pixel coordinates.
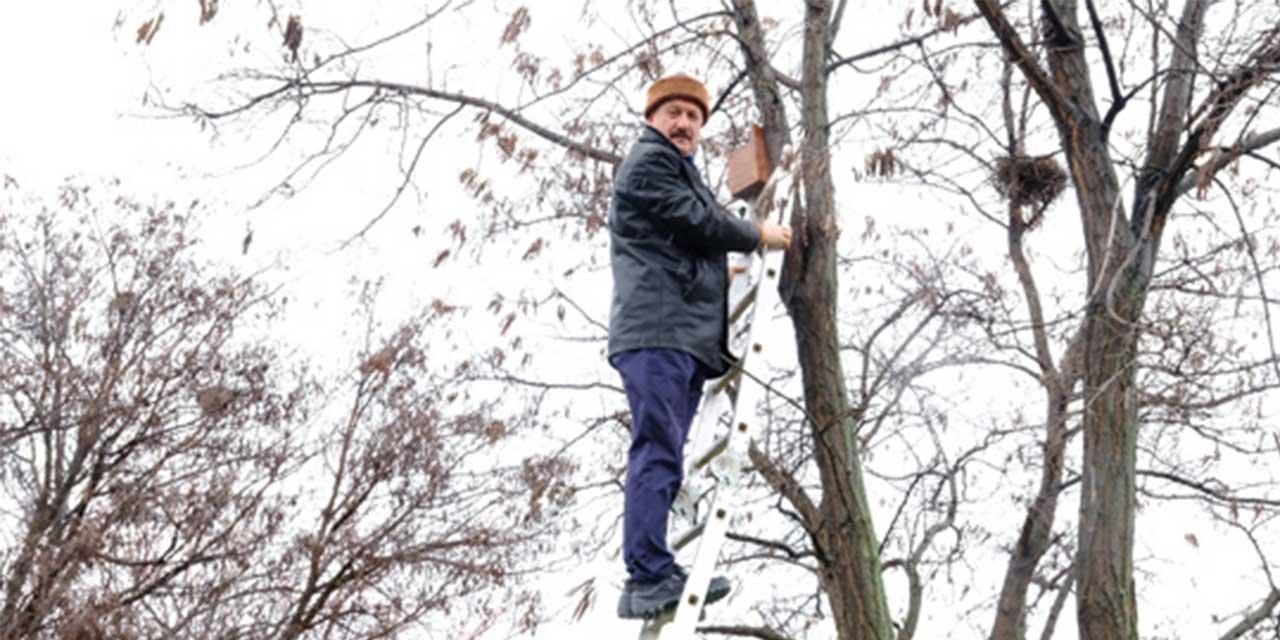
(647, 613)
(716, 595)
(658, 610)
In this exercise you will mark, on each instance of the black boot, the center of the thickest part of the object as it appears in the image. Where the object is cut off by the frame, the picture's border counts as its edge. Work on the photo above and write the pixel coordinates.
(652, 599)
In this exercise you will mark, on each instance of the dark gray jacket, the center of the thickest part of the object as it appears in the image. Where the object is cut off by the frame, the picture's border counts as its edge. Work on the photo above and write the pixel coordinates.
(668, 244)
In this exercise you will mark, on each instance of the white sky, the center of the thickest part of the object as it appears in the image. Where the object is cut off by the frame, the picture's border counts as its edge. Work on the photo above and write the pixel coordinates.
(73, 89)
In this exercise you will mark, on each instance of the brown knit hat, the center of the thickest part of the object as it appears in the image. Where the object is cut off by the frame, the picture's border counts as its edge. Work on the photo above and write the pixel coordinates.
(677, 86)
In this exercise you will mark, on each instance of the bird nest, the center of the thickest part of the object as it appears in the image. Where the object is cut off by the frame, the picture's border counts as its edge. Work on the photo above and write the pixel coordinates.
(1024, 180)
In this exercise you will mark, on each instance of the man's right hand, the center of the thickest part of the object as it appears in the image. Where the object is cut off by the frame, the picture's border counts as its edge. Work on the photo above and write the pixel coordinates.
(774, 236)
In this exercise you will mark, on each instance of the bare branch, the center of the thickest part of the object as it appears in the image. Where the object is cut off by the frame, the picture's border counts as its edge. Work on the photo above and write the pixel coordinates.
(1022, 56)
(406, 179)
(1216, 494)
(1258, 615)
(901, 44)
(763, 633)
(1113, 81)
(309, 87)
(786, 485)
(1223, 157)
(1059, 603)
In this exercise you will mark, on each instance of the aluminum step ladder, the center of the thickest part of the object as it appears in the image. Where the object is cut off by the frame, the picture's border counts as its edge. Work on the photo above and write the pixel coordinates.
(718, 455)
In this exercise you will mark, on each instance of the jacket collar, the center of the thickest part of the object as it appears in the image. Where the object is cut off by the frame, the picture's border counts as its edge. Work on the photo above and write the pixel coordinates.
(654, 136)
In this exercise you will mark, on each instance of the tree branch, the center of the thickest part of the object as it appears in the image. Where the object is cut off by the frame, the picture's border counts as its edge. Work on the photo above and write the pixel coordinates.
(837, 19)
(1117, 98)
(1206, 489)
(791, 554)
(764, 79)
(1255, 617)
(901, 44)
(1216, 109)
(764, 633)
(1224, 156)
(1018, 52)
(315, 87)
(786, 485)
(405, 179)
(1059, 603)
(651, 38)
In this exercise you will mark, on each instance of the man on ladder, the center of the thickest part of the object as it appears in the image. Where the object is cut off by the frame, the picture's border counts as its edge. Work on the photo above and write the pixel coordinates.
(668, 328)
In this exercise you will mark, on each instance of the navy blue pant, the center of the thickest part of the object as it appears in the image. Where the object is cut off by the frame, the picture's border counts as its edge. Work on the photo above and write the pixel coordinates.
(663, 388)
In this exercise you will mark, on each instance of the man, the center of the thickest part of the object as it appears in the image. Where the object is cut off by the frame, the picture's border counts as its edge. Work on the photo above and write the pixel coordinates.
(668, 328)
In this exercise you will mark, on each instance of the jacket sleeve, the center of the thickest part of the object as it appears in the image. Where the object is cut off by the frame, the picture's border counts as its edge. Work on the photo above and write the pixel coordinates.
(657, 188)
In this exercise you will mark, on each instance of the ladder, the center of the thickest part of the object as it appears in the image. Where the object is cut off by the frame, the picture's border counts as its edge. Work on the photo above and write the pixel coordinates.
(719, 458)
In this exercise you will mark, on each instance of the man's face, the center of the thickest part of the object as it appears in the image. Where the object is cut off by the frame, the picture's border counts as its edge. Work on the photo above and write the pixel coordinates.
(680, 121)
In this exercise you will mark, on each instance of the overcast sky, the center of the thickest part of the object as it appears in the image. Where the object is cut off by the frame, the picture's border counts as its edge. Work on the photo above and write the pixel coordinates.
(74, 82)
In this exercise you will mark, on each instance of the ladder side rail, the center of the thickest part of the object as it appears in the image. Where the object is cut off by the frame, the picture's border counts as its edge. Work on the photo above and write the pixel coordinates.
(764, 290)
(716, 404)
(742, 428)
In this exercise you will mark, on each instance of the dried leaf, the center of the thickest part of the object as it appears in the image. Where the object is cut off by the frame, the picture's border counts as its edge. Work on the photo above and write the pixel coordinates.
(459, 231)
(147, 32)
(534, 250)
(951, 21)
(588, 591)
(381, 362)
(208, 8)
(595, 222)
(508, 144)
(293, 35)
(882, 163)
(517, 25)
(1204, 179)
(441, 308)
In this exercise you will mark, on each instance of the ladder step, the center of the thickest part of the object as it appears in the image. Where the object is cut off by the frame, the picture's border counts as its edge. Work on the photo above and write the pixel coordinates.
(745, 303)
(718, 447)
(685, 537)
(726, 380)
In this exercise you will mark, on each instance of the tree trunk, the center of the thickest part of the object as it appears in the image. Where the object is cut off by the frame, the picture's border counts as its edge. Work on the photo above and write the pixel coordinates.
(851, 577)
(1036, 534)
(1037, 528)
(1119, 270)
(843, 531)
(1107, 603)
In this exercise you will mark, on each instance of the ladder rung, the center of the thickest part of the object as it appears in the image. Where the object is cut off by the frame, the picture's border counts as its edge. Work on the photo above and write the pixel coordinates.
(727, 379)
(717, 448)
(683, 540)
(685, 537)
(743, 304)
